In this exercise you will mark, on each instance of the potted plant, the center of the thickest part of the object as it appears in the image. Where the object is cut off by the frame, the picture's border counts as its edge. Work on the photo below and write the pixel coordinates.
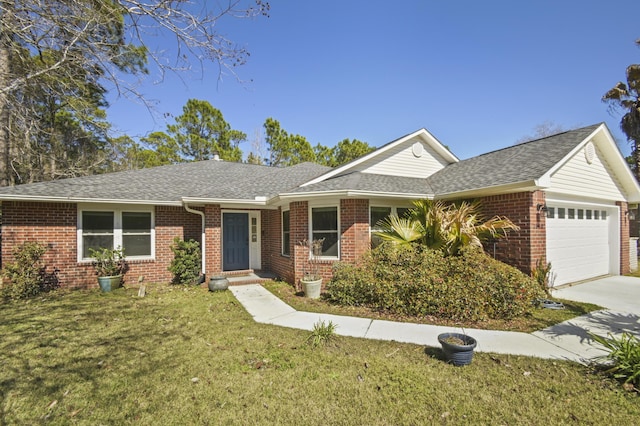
(110, 267)
(457, 348)
(312, 280)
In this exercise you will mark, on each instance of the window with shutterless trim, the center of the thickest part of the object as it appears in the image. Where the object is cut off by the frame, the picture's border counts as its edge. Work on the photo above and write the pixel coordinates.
(286, 233)
(131, 230)
(324, 224)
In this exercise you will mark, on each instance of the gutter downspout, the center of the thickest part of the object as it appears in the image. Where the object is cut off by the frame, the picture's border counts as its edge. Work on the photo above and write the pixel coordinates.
(202, 240)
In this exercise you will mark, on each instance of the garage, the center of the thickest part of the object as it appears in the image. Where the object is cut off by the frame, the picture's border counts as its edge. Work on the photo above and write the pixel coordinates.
(582, 241)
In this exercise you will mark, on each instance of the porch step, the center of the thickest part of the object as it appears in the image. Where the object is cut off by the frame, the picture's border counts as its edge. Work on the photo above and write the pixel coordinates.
(248, 277)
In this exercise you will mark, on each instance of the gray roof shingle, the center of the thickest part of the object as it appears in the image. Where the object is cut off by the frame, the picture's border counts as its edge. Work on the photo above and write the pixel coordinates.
(220, 180)
(203, 179)
(368, 182)
(518, 163)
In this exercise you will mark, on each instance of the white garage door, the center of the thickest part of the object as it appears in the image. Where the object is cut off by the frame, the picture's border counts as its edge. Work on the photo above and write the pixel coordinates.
(581, 241)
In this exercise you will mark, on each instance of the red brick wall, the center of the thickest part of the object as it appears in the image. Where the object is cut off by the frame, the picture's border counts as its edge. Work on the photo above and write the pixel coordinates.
(354, 226)
(272, 258)
(521, 248)
(213, 235)
(624, 237)
(55, 226)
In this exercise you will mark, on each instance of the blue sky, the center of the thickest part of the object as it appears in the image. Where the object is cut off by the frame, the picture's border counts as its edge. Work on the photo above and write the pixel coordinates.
(479, 75)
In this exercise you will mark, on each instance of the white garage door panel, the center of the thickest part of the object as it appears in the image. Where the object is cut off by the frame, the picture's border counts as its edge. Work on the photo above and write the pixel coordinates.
(578, 248)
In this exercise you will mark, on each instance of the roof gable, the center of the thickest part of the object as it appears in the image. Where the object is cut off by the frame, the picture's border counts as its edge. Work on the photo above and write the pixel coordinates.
(416, 155)
(527, 166)
(594, 168)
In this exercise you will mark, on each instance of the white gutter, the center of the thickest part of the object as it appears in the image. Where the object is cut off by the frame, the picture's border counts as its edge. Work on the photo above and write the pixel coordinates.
(351, 193)
(202, 238)
(50, 199)
(258, 201)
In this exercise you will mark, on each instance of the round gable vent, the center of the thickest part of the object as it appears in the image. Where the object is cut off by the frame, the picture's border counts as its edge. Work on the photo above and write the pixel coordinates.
(417, 149)
(589, 152)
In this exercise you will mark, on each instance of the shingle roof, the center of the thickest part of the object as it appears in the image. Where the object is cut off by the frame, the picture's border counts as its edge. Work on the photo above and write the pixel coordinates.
(368, 182)
(203, 179)
(518, 163)
(220, 180)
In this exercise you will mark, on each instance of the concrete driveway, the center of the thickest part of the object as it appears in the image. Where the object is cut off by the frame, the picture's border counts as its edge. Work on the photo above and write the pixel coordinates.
(621, 294)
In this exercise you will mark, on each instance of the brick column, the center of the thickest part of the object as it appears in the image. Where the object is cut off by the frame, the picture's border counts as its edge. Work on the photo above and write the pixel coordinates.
(523, 248)
(299, 230)
(624, 237)
(354, 228)
(213, 238)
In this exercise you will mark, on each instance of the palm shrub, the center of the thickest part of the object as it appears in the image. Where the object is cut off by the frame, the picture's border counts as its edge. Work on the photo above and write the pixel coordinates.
(186, 262)
(445, 227)
(623, 357)
(26, 274)
(417, 281)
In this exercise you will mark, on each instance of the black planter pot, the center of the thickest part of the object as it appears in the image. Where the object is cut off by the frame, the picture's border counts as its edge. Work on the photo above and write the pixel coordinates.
(457, 354)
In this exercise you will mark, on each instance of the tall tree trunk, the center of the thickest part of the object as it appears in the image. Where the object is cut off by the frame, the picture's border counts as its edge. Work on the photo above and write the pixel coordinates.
(6, 71)
(5, 135)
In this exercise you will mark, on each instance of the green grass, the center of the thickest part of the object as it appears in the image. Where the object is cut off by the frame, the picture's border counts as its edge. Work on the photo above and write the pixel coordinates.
(188, 356)
(538, 319)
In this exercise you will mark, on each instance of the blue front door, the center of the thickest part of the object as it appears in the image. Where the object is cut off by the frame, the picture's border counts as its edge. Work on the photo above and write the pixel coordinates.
(235, 241)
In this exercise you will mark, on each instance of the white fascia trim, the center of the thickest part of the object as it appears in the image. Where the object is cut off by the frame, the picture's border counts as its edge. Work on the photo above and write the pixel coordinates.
(87, 200)
(422, 133)
(343, 194)
(256, 202)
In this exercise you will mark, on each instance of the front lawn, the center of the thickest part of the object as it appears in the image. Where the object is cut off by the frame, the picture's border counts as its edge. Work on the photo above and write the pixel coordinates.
(183, 355)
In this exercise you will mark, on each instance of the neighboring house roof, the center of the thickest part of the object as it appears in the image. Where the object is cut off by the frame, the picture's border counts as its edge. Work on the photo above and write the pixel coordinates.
(523, 167)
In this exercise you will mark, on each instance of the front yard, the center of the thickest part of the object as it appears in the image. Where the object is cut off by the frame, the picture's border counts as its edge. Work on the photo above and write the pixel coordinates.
(183, 355)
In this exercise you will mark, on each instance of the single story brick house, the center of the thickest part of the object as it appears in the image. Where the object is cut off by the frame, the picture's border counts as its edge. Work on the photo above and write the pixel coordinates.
(570, 194)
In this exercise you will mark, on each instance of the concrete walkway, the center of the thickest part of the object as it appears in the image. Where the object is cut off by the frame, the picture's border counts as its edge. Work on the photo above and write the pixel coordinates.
(567, 341)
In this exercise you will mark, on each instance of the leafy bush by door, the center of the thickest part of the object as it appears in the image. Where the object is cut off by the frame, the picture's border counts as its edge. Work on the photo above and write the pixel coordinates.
(186, 262)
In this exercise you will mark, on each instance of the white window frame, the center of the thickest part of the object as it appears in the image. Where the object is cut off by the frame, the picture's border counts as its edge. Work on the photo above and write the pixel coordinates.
(117, 227)
(394, 211)
(310, 213)
(282, 233)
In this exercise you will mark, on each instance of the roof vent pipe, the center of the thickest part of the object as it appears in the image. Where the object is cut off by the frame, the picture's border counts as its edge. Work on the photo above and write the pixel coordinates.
(202, 240)
(216, 156)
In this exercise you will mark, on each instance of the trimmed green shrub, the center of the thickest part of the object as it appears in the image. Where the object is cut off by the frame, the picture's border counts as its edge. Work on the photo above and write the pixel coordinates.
(186, 262)
(418, 281)
(27, 274)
